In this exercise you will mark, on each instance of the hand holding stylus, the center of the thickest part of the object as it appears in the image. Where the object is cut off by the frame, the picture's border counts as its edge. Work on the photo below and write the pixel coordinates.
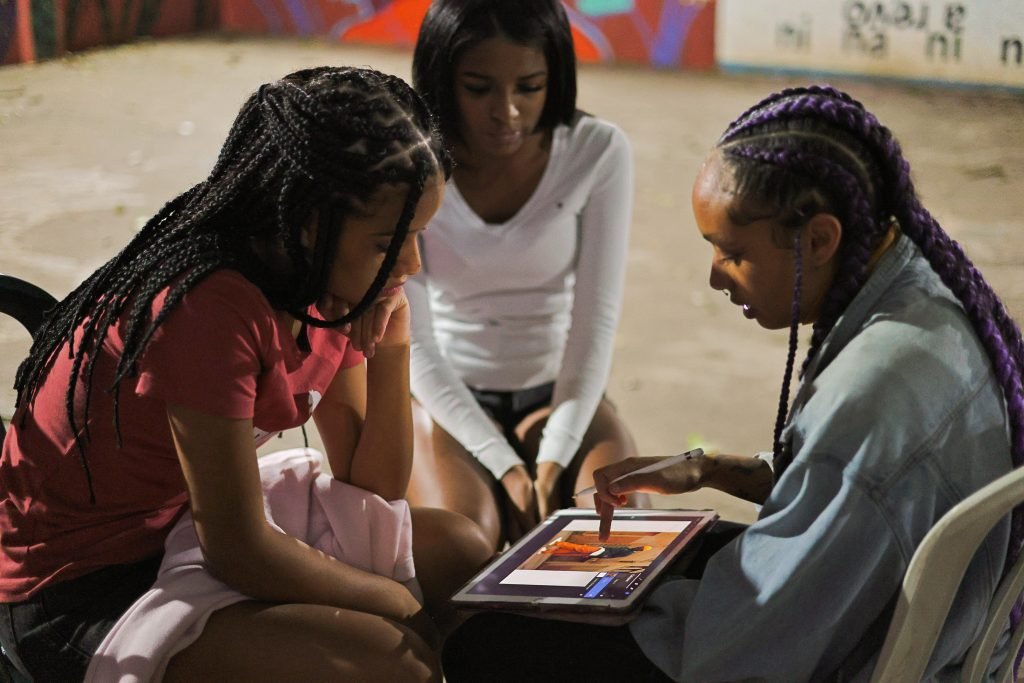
(674, 474)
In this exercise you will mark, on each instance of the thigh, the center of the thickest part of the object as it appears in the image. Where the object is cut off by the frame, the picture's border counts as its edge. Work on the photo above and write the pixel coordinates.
(445, 475)
(448, 550)
(252, 641)
(500, 647)
(606, 441)
(54, 634)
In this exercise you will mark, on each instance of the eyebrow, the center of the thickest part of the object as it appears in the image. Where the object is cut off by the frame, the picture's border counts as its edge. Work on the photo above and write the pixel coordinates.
(391, 233)
(473, 74)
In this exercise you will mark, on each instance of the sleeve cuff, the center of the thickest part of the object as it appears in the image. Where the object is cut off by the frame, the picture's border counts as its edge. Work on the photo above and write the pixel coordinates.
(498, 457)
(768, 457)
(555, 449)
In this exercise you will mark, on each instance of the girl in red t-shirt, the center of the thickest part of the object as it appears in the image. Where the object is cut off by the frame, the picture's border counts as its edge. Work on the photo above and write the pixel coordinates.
(267, 293)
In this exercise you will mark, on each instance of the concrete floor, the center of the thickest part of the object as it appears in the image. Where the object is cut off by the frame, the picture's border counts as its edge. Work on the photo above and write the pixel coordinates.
(92, 145)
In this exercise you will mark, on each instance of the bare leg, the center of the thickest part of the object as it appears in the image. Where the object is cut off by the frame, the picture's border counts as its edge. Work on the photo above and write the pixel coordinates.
(606, 441)
(253, 641)
(448, 549)
(445, 475)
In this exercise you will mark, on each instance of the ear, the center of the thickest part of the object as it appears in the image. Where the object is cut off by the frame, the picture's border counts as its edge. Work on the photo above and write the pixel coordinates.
(308, 233)
(824, 233)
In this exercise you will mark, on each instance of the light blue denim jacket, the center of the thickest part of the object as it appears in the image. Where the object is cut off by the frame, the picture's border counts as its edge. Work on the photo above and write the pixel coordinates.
(899, 418)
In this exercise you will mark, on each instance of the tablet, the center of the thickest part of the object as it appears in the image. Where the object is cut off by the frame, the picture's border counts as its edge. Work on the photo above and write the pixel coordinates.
(562, 568)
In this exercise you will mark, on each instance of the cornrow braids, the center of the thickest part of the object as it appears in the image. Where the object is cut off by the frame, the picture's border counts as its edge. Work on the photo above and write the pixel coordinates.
(317, 142)
(821, 138)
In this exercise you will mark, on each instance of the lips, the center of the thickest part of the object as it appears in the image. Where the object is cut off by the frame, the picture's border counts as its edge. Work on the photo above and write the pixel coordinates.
(391, 291)
(506, 137)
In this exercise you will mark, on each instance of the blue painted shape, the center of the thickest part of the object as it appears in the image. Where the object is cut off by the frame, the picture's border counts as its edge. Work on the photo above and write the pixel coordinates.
(603, 8)
(582, 23)
(596, 589)
(301, 15)
(673, 27)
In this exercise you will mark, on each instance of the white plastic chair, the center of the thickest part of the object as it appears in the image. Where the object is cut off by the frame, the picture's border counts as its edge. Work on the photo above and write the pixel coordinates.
(932, 580)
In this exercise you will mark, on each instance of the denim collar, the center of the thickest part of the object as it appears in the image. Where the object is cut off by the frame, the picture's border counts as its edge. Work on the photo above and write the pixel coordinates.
(864, 303)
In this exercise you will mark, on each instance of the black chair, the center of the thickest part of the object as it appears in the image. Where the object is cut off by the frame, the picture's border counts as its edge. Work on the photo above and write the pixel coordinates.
(27, 304)
(24, 302)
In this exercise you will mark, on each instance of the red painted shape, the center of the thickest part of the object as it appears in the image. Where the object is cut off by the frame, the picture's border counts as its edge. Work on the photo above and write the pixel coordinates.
(397, 24)
(586, 51)
(699, 49)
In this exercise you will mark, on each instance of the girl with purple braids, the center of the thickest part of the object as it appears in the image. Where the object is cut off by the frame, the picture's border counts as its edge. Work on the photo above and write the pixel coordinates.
(909, 400)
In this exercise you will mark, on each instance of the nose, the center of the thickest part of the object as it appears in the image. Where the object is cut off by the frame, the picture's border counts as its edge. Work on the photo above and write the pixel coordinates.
(504, 107)
(717, 280)
(409, 261)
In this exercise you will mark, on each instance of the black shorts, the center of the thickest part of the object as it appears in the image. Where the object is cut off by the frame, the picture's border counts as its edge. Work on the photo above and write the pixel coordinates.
(52, 635)
(509, 408)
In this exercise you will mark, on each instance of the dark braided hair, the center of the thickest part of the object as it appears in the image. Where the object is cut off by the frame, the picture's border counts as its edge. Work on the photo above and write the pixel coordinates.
(814, 149)
(318, 142)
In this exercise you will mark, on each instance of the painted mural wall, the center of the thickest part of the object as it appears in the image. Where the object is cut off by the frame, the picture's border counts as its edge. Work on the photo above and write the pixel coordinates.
(662, 33)
(965, 41)
(31, 30)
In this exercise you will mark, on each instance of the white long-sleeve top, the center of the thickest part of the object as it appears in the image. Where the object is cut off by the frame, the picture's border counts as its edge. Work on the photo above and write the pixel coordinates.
(513, 305)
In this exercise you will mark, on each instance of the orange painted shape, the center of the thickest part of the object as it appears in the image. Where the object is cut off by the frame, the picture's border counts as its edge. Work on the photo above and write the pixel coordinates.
(586, 51)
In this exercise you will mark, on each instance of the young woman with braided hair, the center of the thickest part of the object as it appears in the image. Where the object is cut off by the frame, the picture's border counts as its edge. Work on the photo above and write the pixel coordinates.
(909, 401)
(515, 310)
(269, 292)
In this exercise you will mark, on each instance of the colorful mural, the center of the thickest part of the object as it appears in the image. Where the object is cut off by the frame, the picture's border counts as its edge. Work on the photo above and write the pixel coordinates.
(39, 29)
(663, 33)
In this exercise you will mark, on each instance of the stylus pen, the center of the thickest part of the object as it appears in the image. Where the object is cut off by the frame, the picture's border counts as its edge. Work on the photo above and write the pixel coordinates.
(660, 465)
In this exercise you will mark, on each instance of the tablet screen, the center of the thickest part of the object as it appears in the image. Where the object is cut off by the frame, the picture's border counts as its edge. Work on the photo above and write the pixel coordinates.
(564, 559)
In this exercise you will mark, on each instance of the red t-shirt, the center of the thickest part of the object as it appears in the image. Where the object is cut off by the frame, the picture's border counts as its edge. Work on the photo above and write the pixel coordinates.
(223, 351)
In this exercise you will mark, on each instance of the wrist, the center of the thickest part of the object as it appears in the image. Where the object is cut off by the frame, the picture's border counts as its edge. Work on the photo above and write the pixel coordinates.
(389, 353)
(708, 467)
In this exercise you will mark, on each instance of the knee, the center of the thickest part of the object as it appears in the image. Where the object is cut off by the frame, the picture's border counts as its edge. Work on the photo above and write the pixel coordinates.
(466, 544)
(418, 664)
(472, 541)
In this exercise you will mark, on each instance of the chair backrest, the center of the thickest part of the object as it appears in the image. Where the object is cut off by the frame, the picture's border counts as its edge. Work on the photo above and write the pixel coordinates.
(27, 304)
(931, 583)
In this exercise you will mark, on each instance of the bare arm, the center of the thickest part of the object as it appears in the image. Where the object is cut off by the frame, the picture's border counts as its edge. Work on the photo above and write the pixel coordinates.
(745, 477)
(365, 416)
(365, 422)
(219, 463)
(742, 476)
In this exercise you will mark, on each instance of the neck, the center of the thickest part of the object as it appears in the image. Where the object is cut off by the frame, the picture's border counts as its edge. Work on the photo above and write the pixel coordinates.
(535, 149)
(888, 240)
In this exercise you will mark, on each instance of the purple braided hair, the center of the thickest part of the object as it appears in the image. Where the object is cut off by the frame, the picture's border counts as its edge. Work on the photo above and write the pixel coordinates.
(819, 137)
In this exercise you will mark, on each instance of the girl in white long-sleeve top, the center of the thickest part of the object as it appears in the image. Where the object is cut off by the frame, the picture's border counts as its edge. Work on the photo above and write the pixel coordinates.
(516, 308)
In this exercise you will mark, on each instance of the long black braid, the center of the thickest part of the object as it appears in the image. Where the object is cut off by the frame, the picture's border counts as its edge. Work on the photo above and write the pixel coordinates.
(319, 140)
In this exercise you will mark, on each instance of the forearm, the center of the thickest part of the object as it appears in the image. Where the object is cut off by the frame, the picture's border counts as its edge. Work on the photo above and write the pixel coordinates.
(745, 477)
(442, 392)
(271, 566)
(382, 461)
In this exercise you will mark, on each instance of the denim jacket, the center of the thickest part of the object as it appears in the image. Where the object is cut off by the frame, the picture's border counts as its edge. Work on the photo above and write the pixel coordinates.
(899, 417)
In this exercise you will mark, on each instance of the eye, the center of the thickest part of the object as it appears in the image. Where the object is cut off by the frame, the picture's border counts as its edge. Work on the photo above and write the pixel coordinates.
(732, 258)
(530, 87)
(475, 89)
